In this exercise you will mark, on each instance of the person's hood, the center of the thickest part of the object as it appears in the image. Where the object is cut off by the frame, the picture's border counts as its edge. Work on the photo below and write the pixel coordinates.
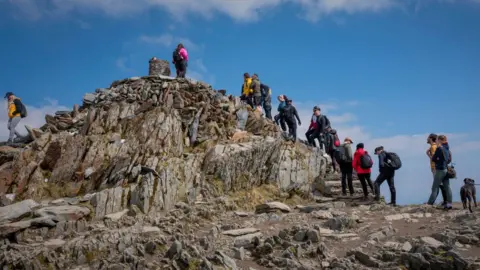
(247, 79)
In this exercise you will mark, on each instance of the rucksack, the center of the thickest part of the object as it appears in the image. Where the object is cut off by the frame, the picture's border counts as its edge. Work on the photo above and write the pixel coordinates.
(366, 161)
(393, 161)
(327, 122)
(176, 56)
(21, 108)
(341, 155)
(337, 141)
(451, 172)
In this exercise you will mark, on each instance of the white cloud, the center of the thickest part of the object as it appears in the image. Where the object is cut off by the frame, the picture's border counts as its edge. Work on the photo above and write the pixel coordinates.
(198, 71)
(122, 64)
(245, 10)
(35, 118)
(413, 181)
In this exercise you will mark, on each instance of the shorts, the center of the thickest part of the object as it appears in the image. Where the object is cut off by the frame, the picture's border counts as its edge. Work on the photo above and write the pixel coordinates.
(257, 100)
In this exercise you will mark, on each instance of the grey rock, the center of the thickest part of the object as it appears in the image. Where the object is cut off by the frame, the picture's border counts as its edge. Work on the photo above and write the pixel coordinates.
(16, 211)
(174, 249)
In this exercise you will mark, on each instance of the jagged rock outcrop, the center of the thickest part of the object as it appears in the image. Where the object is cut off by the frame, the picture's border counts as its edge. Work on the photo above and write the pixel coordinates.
(181, 130)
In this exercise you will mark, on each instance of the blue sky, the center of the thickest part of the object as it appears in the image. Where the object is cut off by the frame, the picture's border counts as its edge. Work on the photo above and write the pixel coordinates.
(386, 71)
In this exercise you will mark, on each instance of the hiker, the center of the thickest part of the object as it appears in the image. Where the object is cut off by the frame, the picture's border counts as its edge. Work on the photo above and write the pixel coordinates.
(311, 128)
(16, 111)
(362, 163)
(291, 118)
(266, 100)
(246, 89)
(279, 118)
(442, 158)
(432, 140)
(386, 173)
(344, 157)
(320, 128)
(331, 143)
(180, 60)
(257, 92)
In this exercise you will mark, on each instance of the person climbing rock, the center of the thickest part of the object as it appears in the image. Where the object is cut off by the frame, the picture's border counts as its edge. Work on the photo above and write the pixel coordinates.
(441, 157)
(344, 156)
(180, 60)
(432, 140)
(311, 128)
(291, 118)
(279, 118)
(320, 128)
(246, 89)
(266, 100)
(331, 143)
(16, 111)
(362, 163)
(257, 92)
(386, 173)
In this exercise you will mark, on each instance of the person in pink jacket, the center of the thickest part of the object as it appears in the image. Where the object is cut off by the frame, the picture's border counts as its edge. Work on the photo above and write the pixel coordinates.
(180, 60)
(363, 172)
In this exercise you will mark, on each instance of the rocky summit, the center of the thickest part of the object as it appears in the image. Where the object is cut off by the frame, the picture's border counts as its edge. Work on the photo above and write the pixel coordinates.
(159, 173)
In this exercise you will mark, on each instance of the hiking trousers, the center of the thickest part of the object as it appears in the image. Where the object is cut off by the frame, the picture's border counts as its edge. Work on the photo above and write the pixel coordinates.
(442, 189)
(347, 174)
(365, 180)
(181, 68)
(309, 136)
(292, 129)
(389, 177)
(279, 120)
(12, 124)
(440, 178)
(268, 111)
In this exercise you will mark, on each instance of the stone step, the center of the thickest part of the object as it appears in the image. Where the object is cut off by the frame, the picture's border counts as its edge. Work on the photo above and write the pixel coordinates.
(356, 183)
(338, 191)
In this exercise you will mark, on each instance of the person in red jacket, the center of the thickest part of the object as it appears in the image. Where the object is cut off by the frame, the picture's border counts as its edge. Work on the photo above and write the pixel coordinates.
(363, 174)
(312, 127)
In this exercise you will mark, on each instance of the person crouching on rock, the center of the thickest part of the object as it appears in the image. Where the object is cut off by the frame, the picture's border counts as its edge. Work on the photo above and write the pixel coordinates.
(313, 125)
(180, 60)
(16, 111)
(279, 118)
(291, 118)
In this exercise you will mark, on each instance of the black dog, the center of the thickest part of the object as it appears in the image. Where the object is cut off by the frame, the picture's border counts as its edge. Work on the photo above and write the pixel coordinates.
(468, 191)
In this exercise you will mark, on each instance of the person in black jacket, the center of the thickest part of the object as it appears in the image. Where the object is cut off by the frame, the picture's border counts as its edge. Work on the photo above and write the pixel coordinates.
(386, 173)
(266, 100)
(320, 128)
(290, 113)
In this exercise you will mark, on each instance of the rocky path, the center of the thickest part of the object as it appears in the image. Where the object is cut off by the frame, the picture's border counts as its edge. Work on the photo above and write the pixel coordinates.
(328, 234)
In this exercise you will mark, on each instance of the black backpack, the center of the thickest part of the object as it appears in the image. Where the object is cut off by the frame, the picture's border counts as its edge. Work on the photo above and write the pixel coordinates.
(20, 108)
(366, 161)
(176, 56)
(327, 122)
(341, 155)
(393, 161)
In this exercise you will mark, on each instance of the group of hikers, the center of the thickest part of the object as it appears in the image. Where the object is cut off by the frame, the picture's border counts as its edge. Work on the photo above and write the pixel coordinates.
(258, 95)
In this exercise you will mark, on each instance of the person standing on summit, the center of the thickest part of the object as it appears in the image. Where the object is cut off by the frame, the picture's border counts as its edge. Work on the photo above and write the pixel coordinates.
(16, 111)
(291, 118)
(246, 89)
(267, 100)
(180, 60)
(311, 128)
(257, 92)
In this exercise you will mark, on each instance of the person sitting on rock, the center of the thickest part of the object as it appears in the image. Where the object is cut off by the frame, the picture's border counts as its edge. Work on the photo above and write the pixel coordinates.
(256, 90)
(291, 118)
(16, 111)
(247, 89)
(313, 125)
(363, 173)
(266, 100)
(279, 118)
(386, 173)
(180, 60)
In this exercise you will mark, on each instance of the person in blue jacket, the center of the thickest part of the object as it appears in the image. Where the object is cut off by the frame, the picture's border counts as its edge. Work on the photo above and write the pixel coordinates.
(280, 118)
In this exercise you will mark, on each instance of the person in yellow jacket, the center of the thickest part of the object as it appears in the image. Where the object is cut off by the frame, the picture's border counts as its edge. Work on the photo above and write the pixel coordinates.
(16, 111)
(247, 92)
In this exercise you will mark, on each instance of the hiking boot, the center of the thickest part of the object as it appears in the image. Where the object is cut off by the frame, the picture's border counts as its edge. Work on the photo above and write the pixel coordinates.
(393, 204)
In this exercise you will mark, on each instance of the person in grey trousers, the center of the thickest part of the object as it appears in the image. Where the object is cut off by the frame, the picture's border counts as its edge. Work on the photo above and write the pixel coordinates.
(441, 157)
(16, 111)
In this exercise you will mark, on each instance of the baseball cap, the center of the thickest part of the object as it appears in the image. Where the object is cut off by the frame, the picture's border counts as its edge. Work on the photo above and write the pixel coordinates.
(8, 94)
